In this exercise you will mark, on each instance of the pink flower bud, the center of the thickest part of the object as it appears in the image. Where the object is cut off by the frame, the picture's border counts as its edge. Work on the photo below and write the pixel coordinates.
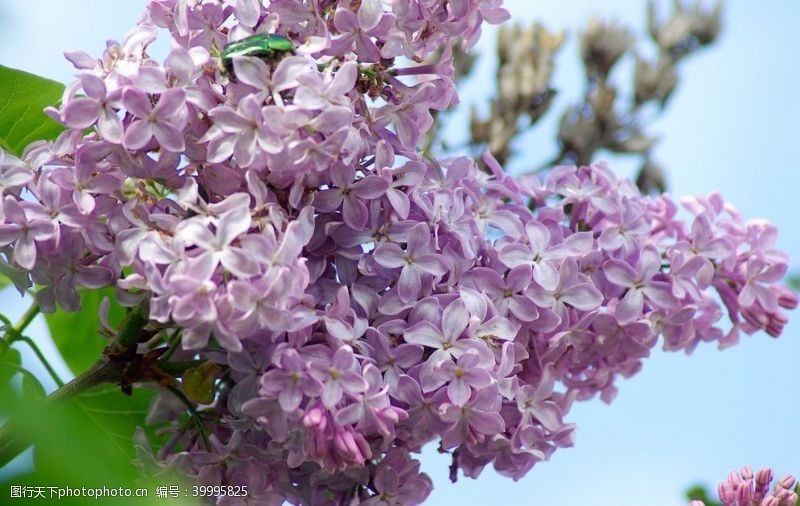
(787, 481)
(726, 491)
(744, 492)
(786, 297)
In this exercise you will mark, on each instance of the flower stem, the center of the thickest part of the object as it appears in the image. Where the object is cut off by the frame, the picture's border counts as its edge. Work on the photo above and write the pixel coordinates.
(26, 319)
(193, 414)
(15, 333)
(42, 359)
(110, 368)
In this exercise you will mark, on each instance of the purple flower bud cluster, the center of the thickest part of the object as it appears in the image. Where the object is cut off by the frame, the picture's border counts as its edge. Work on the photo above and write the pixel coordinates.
(748, 489)
(365, 300)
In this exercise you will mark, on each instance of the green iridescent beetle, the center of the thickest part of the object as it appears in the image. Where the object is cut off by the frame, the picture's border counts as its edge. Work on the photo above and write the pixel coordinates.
(266, 46)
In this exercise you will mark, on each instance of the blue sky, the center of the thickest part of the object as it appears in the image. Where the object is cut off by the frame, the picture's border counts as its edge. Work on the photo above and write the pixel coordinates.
(731, 126)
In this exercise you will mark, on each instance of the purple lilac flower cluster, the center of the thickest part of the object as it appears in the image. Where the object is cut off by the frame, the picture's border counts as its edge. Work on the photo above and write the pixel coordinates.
(366, 300)
(748, 489)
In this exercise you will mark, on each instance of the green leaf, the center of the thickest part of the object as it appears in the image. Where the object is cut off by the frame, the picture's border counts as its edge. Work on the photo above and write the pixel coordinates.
(32, 389)
(794, 282)
(83, 442)
(110, 412)
(76, 335)
(4, 281)
(699, 492)
(23, 97)
(10, 360)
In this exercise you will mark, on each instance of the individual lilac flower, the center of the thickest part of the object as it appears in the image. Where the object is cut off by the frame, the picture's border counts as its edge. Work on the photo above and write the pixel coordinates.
(704, 242)
(372, 410)
(508, 294)
(350, 195)
(494, 330)
(619, 341)
(463, 376)
(98, 106)
(416, 261)
(392, 358)
(535, 403)
(353, 32)
(338, 376)
(756, 289)
(328, 94)
(630, 230)
(192, 299)
(473, 421)
(412, 116)
(573, 289)
(445, 342)
(543, 256)
(688, 276)
(391, 492)
(165, 121)
(407, 176)
(14, 173)
(245, 132)
(640, 284)
(86, 179)
(341, 331)
(290, 382)
(216, 248)
(579, 191)
(23, 233)
(265, 302)
(67, 273)
(256, 73)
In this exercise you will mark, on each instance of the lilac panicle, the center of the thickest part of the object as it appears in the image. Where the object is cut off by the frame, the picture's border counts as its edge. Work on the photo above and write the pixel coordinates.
(363, 300)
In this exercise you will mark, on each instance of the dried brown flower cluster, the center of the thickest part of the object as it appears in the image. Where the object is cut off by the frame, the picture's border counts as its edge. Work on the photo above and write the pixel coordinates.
(526, 61)
(608, 117)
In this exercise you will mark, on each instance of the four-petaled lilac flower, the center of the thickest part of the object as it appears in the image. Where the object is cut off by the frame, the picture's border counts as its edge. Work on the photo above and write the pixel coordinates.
(445, 342)
(508, 294)
(630, 230)
(350, 195)
(340, 375)
(13, 173)
(87, 179)
(473, 421)
(290, 382)
(416, 261)
(392, 358)
(756, 288)
(392, 491)
(541, 255)
(165, 121)
(16, 228)
(704, 242)
(246, 133)
(535, 402)
(373, 409)
(98, 106)
(216, 247)
(328, 94)
(463, 376)
(573, 289)
(640, 284)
